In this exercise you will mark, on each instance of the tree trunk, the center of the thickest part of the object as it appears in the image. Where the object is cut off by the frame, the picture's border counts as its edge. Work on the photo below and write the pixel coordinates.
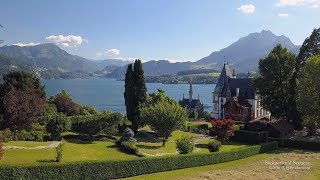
(163, 142)
(312, 129)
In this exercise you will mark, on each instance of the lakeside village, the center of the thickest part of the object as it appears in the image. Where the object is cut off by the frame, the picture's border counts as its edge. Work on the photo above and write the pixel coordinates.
(276, 111)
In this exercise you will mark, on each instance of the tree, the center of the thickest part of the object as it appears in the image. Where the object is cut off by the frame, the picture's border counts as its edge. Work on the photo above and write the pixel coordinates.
(164, 117)
(20, 109)
(273, 83)
(57, 125)
(129, 94)
(223, 129)
(135, 93)
(308, 95)
(310, 47)
(64, 103)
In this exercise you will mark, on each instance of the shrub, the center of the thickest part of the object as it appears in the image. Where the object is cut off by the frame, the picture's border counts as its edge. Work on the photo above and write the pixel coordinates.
(223, 129)
(214, 145)
(196, 128)
(59, 151)
(128, 147)
(37, 135)
(23, 135)
(127, 135)
(128, 168)
(57, 125)
(6, 135)
(250, 136)
(185, 144)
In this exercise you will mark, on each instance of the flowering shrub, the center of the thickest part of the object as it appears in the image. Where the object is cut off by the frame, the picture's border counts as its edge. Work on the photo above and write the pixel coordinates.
(222, 128)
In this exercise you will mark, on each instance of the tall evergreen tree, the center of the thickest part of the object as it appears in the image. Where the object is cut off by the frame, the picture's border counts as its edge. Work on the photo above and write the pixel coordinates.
(140, 92)
(310, 47)
(129, 94)
(135, 93)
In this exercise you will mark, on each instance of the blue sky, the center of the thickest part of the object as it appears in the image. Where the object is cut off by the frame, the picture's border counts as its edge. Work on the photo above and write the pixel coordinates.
(178, 30)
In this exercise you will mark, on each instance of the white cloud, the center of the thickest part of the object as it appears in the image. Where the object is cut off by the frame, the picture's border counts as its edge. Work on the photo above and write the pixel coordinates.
(247, 8)
(66, 41)
(25, 44)
(310, 3)
(283, 14)
(108, 53)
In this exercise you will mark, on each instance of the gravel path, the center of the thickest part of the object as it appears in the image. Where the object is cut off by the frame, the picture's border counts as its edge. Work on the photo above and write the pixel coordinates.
(52, 145)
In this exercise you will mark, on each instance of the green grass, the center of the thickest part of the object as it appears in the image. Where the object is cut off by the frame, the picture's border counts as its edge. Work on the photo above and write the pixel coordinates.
(156, 147)
(179, 174)
(73, 152)
(26, 143)
(315, 174)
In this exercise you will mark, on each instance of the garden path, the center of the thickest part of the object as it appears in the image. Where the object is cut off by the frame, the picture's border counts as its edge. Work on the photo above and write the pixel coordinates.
(52, 145)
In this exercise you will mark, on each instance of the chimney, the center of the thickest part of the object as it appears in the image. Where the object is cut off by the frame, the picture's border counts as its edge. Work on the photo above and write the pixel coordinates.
(237, 92)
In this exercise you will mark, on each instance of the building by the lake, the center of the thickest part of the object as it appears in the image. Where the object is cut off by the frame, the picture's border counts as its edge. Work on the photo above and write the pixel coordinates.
(236, 98)
(192, 105)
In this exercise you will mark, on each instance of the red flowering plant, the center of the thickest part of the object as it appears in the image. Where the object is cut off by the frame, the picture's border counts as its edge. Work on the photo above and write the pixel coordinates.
(222, 128)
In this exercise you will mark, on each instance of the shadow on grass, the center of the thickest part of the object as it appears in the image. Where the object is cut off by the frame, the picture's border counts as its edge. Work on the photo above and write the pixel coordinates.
(113, 146)
(77, 141)
(46, 160)
(148, 147)
(291, 150)
(204, 146)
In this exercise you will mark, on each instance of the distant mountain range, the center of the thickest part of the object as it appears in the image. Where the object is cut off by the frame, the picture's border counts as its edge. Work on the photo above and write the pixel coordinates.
(49, 61)
(244, 54)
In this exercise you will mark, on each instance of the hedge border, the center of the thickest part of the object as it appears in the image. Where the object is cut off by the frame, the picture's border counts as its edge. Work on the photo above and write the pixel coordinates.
(121, 169)
(297, 144)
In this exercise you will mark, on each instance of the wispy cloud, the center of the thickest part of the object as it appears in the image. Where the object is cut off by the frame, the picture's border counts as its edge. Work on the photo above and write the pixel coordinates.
(309, 3)
(108, 53)
(283, 15)
(66, 41)
(25, 44)
(247, 8)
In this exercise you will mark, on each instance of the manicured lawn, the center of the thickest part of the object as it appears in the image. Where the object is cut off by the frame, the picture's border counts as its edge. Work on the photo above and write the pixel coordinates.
(157, 148)
(26, 143)
(76, 151)
(315, 174)
(179, 174)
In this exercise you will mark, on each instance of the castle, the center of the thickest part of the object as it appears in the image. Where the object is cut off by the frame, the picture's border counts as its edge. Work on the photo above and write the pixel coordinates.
(192, 104)
(236, 98)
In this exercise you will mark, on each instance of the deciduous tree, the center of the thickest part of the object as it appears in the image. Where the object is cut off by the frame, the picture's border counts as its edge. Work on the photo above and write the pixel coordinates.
(273, 83)
(308, 94)
(164, 117)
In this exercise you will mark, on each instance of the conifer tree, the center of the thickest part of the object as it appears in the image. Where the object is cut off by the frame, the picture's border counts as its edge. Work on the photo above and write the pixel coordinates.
(129, 94)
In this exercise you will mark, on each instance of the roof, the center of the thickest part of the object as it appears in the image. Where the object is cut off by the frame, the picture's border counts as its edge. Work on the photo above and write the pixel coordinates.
(246, 88)
(187, 103)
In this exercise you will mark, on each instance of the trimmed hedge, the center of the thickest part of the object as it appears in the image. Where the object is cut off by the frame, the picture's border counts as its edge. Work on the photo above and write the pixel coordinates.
(121, 169)
(250, 136)
(298, 144)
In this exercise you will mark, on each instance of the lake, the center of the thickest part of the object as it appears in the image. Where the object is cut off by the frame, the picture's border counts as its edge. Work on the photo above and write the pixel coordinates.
(108, 93)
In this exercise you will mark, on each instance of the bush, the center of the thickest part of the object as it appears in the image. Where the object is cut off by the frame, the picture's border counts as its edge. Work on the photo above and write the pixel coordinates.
(223, 129)
(128, 168)
(196, 128)
(185, 144)
(59, 151)
(214, 145)
(37, 135)
(57, 125)
(250, 136)
(298, 144)
(6, 135)
(127, 135)
(129, 147)
(23, 135)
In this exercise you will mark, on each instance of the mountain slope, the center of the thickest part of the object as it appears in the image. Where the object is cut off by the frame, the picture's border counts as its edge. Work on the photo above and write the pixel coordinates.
(154, 68)
(244, 54)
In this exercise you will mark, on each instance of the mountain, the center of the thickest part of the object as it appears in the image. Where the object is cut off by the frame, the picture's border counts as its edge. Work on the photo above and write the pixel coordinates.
(52, 62)
(244, 54)
(154, 68)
